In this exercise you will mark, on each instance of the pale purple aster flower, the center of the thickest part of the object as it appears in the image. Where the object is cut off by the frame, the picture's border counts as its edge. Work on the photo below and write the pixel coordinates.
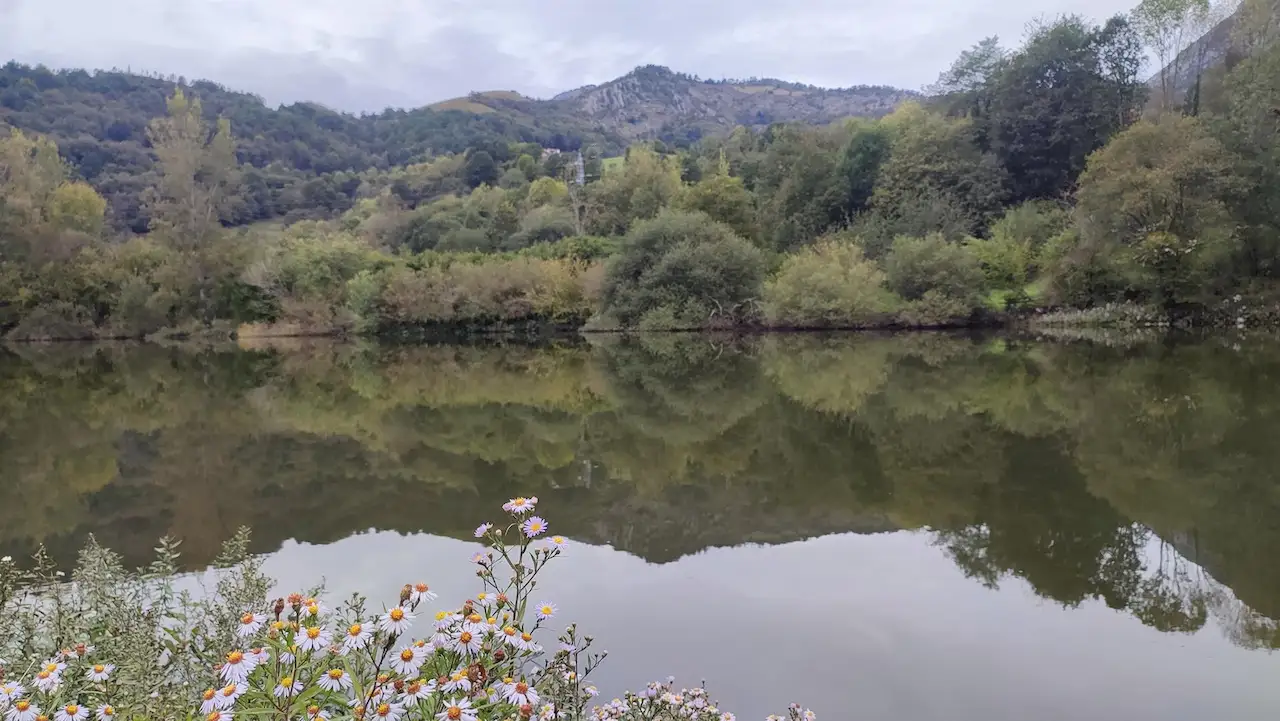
(534, 526)
(482, 529)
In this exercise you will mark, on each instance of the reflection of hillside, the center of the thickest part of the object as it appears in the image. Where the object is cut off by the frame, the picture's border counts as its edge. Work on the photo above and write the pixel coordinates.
(1052, 464)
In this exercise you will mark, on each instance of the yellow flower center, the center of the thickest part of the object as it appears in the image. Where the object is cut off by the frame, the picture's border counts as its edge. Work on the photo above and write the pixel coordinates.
(229, 690)
(335, 673)
(465, 637)
(547, 610)
(422, 588)
(354, 630)
(72, 709)
(22, 706)
(558, 540)
(108, 711)
(526, 637)
(235, 657)
(384, 709)
(455, 713)
(313, 710)
(52, 667)
(491, 620)
(313, 633)
(208, 694)
(522, 687)
(406, 655)
(475, 618)
(287, 681)
(413, 687)
(246, 619)
(214, 716)
(441, 615)
(509, 630)
(43, 675)
(99, 668)
(397, 614)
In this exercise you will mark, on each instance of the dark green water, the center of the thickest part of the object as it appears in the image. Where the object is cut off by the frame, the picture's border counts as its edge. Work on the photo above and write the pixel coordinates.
(907, 527)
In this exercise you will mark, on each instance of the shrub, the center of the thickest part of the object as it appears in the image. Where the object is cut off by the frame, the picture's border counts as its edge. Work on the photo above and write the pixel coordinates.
(916, 266)
(543, 225)
(692, 265)
(129, 645)
(828, 285)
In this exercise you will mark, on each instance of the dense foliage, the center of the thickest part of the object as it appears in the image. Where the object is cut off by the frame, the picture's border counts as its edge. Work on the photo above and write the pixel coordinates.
(1034, 177)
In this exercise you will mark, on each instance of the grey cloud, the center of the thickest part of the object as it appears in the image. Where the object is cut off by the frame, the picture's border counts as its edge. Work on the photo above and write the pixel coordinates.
(375, 53)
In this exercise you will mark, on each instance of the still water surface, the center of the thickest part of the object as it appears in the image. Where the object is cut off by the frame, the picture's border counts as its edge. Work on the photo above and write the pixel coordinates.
(907, 527)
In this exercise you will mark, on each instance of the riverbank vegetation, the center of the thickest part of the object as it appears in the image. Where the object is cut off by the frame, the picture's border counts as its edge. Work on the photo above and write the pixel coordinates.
(134, 645)
(1045, 176)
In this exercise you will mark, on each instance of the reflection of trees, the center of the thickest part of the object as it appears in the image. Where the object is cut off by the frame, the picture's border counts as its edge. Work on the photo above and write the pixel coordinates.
(1062, 466)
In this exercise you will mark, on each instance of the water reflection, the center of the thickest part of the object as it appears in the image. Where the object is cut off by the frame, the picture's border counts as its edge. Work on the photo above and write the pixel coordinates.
(1142, 478)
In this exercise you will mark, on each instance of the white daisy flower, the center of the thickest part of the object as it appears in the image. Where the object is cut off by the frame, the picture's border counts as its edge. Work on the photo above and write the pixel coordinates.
(557, 542)
(419, 690)
(445, 619)
(480, 558)
(237, 667)
(22, 710)
(209, 701)
(421, 592)
(468, 643)
(519, 693)
(477, 624)
(356, 638)
(71, 712)
(396, 621)
(259, 655)
(458, 681)
(289, 655)
(335, 679)
(11, 691)
(407, 662)
(288, 686)
(54, 665)
(440, 640)
(592, 691)
(313, 638)
(105, 712)
(457, 710)
(219, 715)
(227, 695)
(386, 712)
(83, 650)
(524, 642)
(250, 623)
(508, 635)
(726, 716)
(47, 682)
(313, 608)
(548, 712)
(546, 610)
(99, 672)
(534, 526)
(482, 529)
(315, 713)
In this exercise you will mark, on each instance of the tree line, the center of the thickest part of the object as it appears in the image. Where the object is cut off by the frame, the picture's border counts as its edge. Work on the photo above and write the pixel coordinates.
(1048, 175)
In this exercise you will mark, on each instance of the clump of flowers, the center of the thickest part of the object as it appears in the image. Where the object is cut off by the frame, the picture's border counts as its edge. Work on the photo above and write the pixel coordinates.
(295, 658)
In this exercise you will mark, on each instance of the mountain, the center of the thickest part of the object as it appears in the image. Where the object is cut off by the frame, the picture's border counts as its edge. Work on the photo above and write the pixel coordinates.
(304, 159)
(653, 102)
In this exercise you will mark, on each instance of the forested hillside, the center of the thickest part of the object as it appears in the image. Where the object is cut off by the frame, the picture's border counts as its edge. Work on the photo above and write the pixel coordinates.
(1045, 175)
(304, 160)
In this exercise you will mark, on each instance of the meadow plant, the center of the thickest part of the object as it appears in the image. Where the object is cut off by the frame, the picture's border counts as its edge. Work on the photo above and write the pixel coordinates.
(111, 643)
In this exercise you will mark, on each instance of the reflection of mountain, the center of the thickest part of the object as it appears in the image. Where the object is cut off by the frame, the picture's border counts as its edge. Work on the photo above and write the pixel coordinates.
(1053, 464)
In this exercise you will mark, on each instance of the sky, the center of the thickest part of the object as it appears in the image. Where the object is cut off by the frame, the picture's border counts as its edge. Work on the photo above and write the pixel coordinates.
(365, 55)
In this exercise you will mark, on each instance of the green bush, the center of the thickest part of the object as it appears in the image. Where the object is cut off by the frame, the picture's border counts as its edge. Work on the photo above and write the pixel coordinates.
(916, 266)
(546, 224)
(827, 285)
(686, 262)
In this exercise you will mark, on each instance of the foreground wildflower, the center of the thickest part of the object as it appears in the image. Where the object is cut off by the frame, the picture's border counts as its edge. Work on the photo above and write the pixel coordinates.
(534, 527)
(288, 686)
(249, 624)
(407, 662)
(313, 638)
(386, 712)
(71, 712)
(482, 529)
(421, 592)
(11, 691)
(335, 679)
(546, 610)
(519, 694)
(396, 621)
(47, 682)
(457, 710)
(105, 712)
(100, 672)
(23, 710)
(356, 639)
(520, 505)
(237, 667)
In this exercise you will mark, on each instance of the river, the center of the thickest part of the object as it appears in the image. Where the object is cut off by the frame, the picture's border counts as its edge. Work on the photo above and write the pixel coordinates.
(899, 527)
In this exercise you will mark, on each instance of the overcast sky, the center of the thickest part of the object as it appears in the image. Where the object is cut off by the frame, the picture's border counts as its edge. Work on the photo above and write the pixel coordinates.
(369, 54)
